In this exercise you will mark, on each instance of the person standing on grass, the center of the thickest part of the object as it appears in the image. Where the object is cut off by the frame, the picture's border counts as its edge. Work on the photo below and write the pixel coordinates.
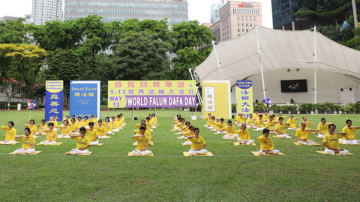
(302, 135)
(331, 141)
(266, 144)
(28, 143)
(10, 133)
(243, 136)
(82, 143)
(322, 128)
(350, 133)
(143, 143)
(198, 144)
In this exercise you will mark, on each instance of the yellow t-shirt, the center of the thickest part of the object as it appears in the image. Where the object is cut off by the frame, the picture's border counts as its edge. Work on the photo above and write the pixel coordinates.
(86, 123)
(221, 126)
(80, 124)
(292, 122)
(114, 124)
(96, 120)
(281, 128)
(51, 135)
(197, 143)
(91, 134)
(155, 119)
(266, 117)
(208, 122)
(244, 135)
(190, 133)
(101, 130)
(266, 143)
(148, 134)
(42, 127)
(27, 141)
(120, 123)
(240, 119)
(108, 127)
(277, 118)
(256, 116)
(10, 133)
(123, 118)
(81, 142)
(54, 122)
(142, 142)
(33, 129)
(302, 134)
(150, 125)
(350, 133)
(74, 126)
(307, 124)
(270, 125)
(332, 140)
(250, 121)
(323, 128)
(65, 130)
(230, 130)
(259, 123)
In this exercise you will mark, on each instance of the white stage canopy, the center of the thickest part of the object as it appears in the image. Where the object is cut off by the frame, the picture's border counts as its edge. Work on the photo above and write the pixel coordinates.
(240, 57)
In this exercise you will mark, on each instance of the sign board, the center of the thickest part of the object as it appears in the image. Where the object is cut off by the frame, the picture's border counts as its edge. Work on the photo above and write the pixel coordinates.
(54, 100)
(216, 98)
(244, 97)
(85, 98)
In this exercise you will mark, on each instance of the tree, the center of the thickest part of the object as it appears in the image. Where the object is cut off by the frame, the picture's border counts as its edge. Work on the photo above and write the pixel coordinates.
(64, 65)
(13, 31)
(141, 56)
(25, 64)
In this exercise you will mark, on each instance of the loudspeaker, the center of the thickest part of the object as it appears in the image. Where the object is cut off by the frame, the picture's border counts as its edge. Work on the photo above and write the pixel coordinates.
(135, 118)
(341, 89)
(350, 89)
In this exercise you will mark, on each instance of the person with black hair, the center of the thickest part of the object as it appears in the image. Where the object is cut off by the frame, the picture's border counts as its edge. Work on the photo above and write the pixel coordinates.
(65, 130)
(281, 129)
(259, 123)
(32, 127)
(243, 136)
(331, 142)
(92, 134)
(230, 131)
(198, 144)
(100, 128)
(41, 128)
(143, 143)
(108, 126)
(221, 127)
(306, 121)
(322, 128)
(82, 143)
(10, 133)
(349, 129)
(302, 135)
(266, 144)
(28, 143)
(51, 135)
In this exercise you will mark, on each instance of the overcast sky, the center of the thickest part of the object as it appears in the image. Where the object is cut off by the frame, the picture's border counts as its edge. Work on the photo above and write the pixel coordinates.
(198, 9)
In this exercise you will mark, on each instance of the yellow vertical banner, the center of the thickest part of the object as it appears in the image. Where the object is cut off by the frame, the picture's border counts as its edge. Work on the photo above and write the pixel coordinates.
(244, 97)
(216, 99)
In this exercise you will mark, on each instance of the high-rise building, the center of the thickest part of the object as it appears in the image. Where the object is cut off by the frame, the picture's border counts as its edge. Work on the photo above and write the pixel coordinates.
(175, 11)
(46, 10)
(215, 12)
(282, 11)
(236, 19)
(27, 18)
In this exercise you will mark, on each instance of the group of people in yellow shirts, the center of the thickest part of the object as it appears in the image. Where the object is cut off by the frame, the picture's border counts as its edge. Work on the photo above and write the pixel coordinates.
(271, 124)
(86, 132)
(143, 136)
(191, 135)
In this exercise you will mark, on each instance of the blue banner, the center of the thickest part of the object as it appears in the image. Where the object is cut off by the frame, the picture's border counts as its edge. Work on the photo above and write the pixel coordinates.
(85, 98)
(54, 100)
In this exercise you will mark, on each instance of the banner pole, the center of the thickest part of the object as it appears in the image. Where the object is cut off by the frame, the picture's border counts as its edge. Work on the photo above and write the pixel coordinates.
(133, 114)
(155, 110)
(180, 110)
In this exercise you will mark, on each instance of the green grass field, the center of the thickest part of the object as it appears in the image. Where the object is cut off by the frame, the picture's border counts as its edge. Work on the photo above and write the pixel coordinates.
(232, 174)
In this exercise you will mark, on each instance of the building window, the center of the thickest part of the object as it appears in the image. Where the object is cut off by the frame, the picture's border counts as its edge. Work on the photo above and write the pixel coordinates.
(242, 30)
(242, 24)
(238, 30)
(238, 24)
(246, 18)
(238, 18)
(242, 19)
(238, 34)
(246, 24)
(247, 30)
(250, 19)
(254, 19)
(250, 24)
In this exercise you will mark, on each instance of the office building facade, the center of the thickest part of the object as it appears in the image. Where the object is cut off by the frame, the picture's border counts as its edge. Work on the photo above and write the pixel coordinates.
(237, 18)
(282, 11)
(46, 10)
(215, 12)
(175, 11)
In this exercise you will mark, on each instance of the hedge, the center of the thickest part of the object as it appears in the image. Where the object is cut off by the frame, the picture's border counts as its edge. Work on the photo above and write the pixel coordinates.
(329, 14)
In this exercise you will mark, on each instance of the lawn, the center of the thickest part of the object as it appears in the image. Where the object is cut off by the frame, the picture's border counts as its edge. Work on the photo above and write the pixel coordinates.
(232, 174)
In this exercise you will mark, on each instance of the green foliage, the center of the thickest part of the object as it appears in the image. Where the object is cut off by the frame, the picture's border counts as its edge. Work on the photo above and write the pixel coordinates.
(233, 107)
(13, 31)
(259, 107)
(324, 9)
(140, 57)
(305, 107)
(331, 31)
(350, 107)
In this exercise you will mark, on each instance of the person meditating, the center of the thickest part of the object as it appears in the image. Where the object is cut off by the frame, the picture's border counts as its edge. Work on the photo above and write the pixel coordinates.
(307, 122)
(100, 128)
(256, 115)
(271, 124)
(147, 133)
(28, 143)
(143, 143)
(250, 122)
(280, 116)
(10, 133)
(208, 121)
(281, 129)
(187, 134)
(65, 130)
(230, 131)
(322, 128)
(108, 126)
(240, 119)
(32, 127)
(331, 142)
(51, 135)
(266, 117)
(82, 143)
(243, 136)
(291, 122)
(41, 127)
(92, 134)
(266, 144)
(221, 127)
(350, 133)
(198, 144)
(302, 135)
(259, 123)
(73, 125)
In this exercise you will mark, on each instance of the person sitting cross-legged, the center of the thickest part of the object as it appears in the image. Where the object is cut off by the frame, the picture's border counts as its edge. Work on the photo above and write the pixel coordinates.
(331, 142)
(143, 143)
(266, 144)
(240, 119)
(221, 127)
(51, 135)
(82, 143)
(259, 123)
(322, 128)
(349, 129)
(92, 134)
(302, 135)
(281, 129)
(10, 133)
(28, 143)
(270, 124)
(292, 122)
(230, 131)
(243, 136)
(198, 144)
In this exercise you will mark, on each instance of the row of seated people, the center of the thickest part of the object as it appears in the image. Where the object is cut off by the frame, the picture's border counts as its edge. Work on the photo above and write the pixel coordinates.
(143, 136)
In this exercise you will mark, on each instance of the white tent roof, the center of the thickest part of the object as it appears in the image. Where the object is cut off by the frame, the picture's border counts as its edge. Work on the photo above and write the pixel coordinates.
(280, 49)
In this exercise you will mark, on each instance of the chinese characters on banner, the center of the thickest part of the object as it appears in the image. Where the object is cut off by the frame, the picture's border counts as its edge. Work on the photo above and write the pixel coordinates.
(151, 94)
(85, 98)
(244, 97)
(54, 100)
(210, 99)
